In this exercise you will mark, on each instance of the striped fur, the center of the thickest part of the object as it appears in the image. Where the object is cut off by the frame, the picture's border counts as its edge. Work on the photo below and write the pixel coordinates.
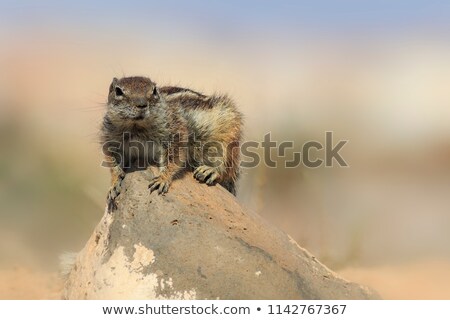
(149, 113)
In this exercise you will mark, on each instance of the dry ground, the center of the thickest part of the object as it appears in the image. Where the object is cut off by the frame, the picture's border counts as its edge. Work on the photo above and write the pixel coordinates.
(424, 280)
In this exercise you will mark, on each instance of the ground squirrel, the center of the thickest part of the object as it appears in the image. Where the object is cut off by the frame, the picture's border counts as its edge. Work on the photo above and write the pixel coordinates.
(177, 129)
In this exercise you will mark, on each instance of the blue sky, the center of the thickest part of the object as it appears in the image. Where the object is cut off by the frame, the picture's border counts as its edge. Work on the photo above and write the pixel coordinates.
(234, 17)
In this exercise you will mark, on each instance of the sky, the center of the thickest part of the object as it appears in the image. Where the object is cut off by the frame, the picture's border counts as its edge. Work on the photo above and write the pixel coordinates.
(234, 18)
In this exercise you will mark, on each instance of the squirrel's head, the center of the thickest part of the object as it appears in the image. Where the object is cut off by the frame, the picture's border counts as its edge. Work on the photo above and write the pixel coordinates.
(133, 98)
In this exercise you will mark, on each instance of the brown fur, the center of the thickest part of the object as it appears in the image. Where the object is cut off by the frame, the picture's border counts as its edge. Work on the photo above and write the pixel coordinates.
(170, 118)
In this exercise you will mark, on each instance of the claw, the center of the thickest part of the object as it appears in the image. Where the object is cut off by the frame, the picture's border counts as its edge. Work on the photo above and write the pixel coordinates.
(212, 178)
(206, 174)
(160, 184)
(113, 194)
(199, 172)
(161, 188)
(112, 205)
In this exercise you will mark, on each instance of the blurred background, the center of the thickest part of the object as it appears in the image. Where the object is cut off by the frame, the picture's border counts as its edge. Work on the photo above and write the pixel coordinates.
(375, 73)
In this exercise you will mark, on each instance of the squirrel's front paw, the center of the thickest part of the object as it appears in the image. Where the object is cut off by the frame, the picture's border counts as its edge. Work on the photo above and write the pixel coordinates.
(114, 191)
(159, 183)
(112, 195)
(206, 174)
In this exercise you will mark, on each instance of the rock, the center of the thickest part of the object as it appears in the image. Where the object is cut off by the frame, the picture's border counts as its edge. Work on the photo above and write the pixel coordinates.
(196, 242)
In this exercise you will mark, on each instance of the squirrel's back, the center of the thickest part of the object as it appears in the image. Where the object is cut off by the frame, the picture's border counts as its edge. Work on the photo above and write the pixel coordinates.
(211, 119)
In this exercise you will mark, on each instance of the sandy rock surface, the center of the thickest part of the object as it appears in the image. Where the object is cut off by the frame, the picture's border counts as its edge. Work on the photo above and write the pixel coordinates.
(196, 242)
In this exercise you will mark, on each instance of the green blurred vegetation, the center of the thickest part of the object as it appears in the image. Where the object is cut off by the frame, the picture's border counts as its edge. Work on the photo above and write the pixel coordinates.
(47, 201)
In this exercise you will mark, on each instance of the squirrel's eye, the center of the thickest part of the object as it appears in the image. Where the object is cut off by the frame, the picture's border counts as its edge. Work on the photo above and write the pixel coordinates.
(119, 92)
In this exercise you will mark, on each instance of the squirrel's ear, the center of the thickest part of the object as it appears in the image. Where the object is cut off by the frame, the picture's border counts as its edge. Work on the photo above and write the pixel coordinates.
(113, 84)
(155, 91)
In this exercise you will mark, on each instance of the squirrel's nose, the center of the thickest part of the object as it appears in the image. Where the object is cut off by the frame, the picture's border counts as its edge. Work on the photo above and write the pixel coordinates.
(141, 104)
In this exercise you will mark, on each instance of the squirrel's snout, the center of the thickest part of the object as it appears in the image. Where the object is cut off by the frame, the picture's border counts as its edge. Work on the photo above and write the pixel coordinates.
(140, 103)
